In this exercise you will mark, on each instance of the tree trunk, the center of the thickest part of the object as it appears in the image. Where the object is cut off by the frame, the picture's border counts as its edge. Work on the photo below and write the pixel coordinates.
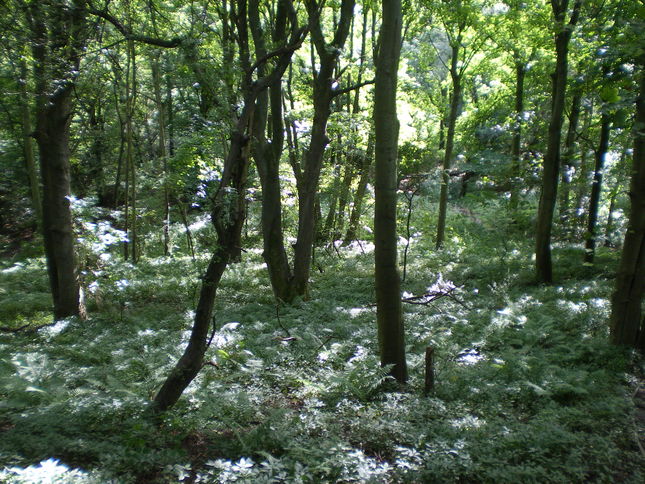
(596, 188)
(627, 322)
(343, 197)
(267, 159)
(567, 158)
(229, 204)
(520, 74)
(54, 89)
(322, 96)
(162, 153)
(388, 292)
(450, 141)
(27, 134)
(357, 208)
(228, 217)
(548, 196)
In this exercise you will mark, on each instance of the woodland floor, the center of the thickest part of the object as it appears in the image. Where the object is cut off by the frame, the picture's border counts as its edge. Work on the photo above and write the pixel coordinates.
(527, 388)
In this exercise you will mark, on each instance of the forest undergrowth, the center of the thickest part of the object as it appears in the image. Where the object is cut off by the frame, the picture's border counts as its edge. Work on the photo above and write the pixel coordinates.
(527, 387)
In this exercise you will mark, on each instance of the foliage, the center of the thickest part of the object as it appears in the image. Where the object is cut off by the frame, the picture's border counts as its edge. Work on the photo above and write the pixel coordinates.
(527, 387)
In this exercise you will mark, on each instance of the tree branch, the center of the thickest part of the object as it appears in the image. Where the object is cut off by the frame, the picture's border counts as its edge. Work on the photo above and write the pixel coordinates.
(345, 90)
(128, 34)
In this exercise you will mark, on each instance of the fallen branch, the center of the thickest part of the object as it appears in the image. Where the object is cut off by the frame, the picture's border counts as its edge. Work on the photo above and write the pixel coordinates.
(431, 296)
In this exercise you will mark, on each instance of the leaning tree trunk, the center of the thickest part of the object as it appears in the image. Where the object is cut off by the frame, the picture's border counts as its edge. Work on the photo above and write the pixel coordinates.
(228, 218)
(627, 322)
(551, 165)
(596, 188)
(388, 291)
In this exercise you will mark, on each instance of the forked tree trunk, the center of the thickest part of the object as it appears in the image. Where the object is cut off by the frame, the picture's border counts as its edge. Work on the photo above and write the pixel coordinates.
(267, 159)
(389, 316)
(551, 165)
(229, 202)
(627, 322)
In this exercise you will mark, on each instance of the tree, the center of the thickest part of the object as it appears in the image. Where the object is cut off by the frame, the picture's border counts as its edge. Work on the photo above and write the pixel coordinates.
(229, 199)
(323, 93)
(386, 275)
(58, 30)
(551, 164)
(627, 322)
(458, 22)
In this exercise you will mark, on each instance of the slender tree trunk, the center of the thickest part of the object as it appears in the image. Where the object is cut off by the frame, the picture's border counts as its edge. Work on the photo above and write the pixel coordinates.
(596, 188)
(329, 224)
(548, 196)
(516, 152)
(27, 145)
(388, 292)
(567, 158)
(161, 120)
(627, 322)
(357, 208)
(609, 227)
(450, 141)
(228, 217)
(343, 197)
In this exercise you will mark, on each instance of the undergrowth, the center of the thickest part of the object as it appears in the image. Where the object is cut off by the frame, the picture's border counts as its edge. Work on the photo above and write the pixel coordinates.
(527, 388)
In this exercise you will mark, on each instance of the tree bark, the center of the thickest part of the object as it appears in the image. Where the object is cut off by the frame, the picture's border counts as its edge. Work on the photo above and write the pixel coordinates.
(162, 152)
(386, 274)
(357, 208)
(267, 159)
(551, 168)
(627, 322)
